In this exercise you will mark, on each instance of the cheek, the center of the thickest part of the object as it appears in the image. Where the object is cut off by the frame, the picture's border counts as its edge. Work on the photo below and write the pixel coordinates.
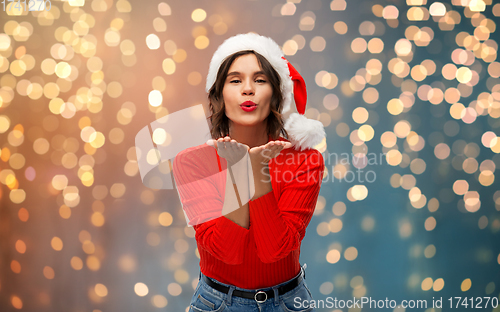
(227, 95)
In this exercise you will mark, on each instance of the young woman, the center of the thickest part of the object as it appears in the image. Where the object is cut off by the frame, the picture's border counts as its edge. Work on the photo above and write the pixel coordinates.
(249, 257)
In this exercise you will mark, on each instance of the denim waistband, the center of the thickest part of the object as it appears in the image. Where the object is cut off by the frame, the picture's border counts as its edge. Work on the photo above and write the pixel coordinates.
(301, 274)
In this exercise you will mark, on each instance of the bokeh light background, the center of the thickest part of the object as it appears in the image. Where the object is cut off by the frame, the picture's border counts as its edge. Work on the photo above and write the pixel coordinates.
(408, 91)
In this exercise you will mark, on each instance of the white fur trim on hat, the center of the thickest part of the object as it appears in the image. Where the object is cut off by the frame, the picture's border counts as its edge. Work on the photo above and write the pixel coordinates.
(303, 132)
(266, 47)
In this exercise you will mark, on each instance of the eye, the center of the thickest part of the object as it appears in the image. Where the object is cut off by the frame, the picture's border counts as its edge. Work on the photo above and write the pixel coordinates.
(234, 81)
(261, 81)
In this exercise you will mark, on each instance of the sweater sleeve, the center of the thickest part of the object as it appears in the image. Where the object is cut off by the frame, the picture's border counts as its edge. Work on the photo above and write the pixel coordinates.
(280, 226)
(200, 185)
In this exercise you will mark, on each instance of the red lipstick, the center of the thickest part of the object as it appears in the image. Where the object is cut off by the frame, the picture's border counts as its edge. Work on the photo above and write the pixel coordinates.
(248, 106)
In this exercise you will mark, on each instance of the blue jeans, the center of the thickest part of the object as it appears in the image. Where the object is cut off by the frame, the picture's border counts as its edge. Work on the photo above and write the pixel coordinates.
(207, 299)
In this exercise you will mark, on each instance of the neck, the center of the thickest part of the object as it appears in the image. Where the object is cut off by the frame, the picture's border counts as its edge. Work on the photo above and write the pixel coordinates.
(250, 135)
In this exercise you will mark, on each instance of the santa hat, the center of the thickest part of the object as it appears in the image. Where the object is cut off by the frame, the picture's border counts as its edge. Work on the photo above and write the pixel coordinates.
(303, 132)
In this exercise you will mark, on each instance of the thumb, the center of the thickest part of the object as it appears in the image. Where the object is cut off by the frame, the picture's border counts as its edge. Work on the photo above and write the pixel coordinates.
(211, 142)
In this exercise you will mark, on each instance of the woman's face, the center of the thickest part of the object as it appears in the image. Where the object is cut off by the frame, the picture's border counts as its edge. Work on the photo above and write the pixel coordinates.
(246, 84)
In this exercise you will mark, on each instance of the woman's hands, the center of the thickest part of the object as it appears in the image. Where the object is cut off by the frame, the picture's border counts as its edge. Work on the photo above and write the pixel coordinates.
(234, 151)
(264, 153)
(260, 156)
(229, 149)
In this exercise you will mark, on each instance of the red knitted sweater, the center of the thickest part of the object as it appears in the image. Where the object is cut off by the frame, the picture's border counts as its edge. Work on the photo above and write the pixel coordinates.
(267, 253)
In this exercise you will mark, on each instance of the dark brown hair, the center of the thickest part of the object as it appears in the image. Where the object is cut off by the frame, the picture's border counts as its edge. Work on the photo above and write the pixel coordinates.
(218, 118)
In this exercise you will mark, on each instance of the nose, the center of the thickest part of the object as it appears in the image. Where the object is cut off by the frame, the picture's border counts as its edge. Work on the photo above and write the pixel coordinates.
(247, 87)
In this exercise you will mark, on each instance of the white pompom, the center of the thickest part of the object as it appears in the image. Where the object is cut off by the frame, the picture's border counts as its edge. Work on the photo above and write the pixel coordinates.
(304, 133)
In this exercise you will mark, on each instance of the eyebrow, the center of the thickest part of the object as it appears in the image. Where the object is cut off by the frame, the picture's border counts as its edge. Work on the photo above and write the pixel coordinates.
(235, 73)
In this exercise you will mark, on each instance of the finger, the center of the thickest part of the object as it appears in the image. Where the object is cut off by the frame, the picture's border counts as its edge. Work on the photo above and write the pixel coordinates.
(232, 144)
(277, 150)
(220, 143)
(269, 145)
(282, 143)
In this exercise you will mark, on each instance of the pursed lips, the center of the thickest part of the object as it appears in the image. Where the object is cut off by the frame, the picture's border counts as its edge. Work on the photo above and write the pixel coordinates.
(248, 104)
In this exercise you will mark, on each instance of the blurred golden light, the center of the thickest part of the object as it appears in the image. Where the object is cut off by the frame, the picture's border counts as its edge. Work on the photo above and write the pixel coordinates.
(438, 284)
(333, 256)
(390, 12)
(307, 21)
(477, 5)
(430, 251)
(442, 151)
(317, 44)
(201, 42)
(340, 27)
(430, 223)
(16, 302)
(101, 290)
(155, 98)
(338, 5)
(335, 225)
(17, 196)
(170, 47)
(4, 42)
(48, 272)
(117, 190)
(290, 47)
(366, 133)
(437, 9)
(56, 243)
(366, 28)
(174, 289)
(220, 28)
(395, 106)
(288, 9)
(198, 15)
(168, 66)
(460, 187)
(326, 288)
(323, 229)
(23, 214)
(359, 192)
(15, 266)
(351, 253)
(93, 263)
(165, 219)
(358, 45)
(405, 229)
(179, 56)
(466, 284)
(464, 75)
(375, 45)
(360, 115)
(76, 263)
(164, 9)
(127, 263)
(159, 301)
(97, 218)
(159, 25)
(427, 284)
(194, 78)
(141, 289)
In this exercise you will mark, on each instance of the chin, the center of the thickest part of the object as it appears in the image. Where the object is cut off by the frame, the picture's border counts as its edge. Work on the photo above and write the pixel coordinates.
(248, 123)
